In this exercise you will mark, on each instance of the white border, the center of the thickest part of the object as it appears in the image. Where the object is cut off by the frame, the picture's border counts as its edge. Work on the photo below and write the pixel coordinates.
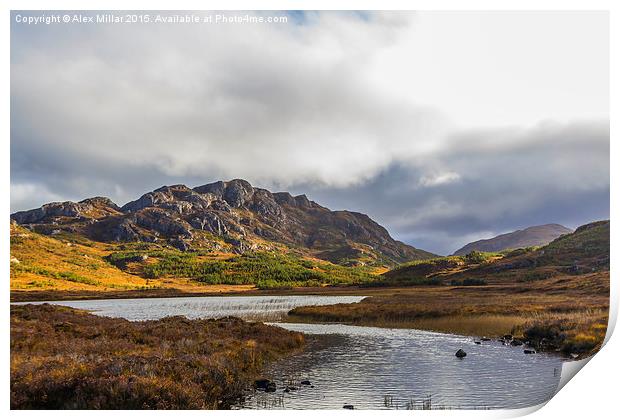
(593, 394)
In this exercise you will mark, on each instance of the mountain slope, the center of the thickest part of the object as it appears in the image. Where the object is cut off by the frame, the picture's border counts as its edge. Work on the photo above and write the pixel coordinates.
(531, 236)
(570, 260)
(245, 217)
(67, 265)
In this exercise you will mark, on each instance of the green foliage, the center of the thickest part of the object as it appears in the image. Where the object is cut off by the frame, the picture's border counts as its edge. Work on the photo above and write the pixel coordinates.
(588, 241)
(264, 269)
(518, 251)
(477, 257)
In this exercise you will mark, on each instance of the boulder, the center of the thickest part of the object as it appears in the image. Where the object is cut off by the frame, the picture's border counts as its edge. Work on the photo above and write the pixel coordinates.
(460, 353)
(348, 407)
(265, 385)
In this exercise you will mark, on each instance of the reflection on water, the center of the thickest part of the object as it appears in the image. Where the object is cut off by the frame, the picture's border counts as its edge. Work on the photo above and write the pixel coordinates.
(374, 368)
(255, 308)
(366, 367)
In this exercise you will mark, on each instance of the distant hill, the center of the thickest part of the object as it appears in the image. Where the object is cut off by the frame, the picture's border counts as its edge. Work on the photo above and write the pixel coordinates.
(228, 216)
(531, 236)
(578, 259)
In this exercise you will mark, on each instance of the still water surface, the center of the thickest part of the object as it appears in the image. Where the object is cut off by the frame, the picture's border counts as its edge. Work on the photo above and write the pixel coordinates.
(367, 367)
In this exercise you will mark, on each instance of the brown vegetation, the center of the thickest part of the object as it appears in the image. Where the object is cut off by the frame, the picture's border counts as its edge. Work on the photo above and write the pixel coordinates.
(556, 296)
(577, 314)
(63, 358)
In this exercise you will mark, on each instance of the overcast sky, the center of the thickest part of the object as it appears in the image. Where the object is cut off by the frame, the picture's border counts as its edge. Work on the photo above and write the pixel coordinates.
(443, 127)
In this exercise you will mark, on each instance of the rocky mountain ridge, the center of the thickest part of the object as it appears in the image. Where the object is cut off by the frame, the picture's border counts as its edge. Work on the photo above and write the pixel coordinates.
(241, 215)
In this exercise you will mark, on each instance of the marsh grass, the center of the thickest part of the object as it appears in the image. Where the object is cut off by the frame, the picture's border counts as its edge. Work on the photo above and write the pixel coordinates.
(572, 320)
(63, 358)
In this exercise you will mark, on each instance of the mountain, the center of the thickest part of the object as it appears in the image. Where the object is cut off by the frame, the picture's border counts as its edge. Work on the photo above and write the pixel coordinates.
(531, 236)
(579, 259)
(231, 214)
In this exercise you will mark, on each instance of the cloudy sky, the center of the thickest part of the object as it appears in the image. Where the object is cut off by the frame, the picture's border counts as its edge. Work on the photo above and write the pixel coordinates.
(444, 127)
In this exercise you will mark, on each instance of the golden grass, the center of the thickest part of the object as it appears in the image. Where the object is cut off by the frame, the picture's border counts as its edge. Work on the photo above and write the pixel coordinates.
(37, 261)
(576, 309)
(63, 358)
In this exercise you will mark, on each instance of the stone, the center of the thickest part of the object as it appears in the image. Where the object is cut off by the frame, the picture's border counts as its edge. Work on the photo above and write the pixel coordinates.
(265, 385)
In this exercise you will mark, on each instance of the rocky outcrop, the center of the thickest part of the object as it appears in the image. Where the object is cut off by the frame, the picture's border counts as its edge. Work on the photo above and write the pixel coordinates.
(89, 208)
(234, 210)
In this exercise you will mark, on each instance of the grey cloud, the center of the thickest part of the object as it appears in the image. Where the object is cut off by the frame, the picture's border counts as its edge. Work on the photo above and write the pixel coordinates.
(107, 111)
(553, 173)
(269, 103)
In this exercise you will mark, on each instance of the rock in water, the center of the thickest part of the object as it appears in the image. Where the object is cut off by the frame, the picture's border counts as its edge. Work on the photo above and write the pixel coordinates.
(460, 353)
(265, 384)
(348, 407)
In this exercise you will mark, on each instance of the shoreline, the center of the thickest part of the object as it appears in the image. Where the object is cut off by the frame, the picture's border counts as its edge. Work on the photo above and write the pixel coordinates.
(412, 325)
(62, 295)
(570, 325)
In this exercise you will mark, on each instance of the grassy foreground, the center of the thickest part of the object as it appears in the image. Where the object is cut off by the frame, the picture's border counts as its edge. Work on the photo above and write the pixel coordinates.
(63, 358)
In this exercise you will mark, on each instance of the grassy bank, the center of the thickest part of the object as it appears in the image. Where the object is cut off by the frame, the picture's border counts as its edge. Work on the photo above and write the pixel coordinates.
(571, 320)
(63, 358)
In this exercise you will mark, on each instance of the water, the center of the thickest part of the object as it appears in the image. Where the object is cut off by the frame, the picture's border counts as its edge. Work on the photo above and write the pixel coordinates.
(367, 367)
(254, 308)
(377, 368)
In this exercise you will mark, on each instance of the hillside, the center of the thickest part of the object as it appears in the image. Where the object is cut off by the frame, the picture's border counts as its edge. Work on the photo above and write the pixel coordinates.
(226, 216)
(555, 297)
(583, 252)
(531, 236)
(69, 265)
